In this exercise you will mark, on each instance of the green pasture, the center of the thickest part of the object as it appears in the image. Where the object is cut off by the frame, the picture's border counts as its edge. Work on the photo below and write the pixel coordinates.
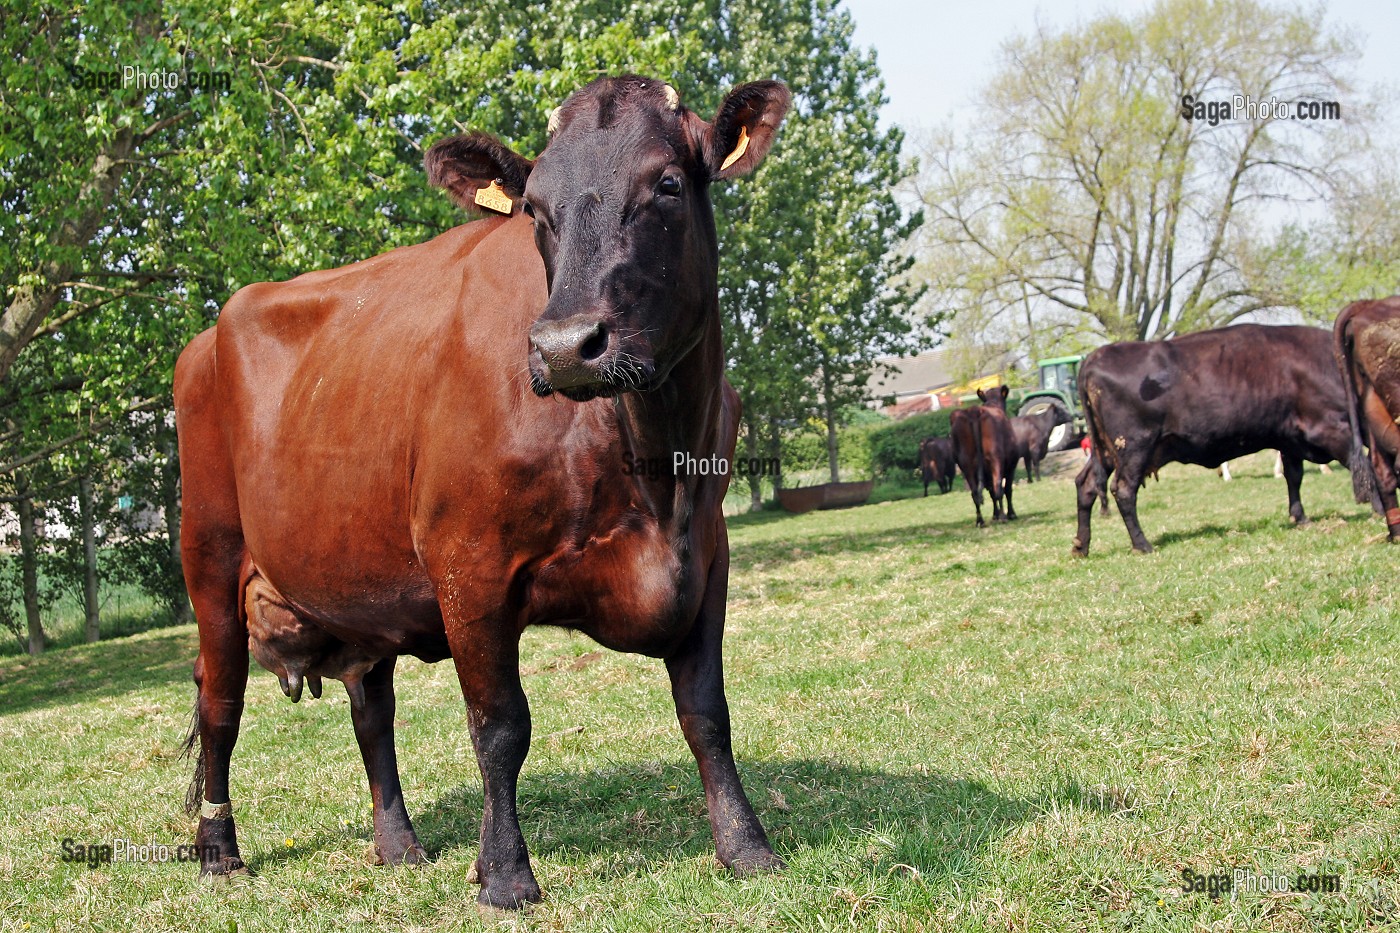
(942, 729)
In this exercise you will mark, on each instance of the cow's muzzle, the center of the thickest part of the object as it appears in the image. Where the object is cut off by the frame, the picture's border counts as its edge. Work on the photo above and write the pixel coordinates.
(579, 358)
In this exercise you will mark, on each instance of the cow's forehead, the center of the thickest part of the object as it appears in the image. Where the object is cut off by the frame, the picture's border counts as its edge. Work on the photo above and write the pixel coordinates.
(618, 125)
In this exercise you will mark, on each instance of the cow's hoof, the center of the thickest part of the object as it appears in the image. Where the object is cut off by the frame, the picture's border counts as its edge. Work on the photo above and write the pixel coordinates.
(508, 895)
(1078, 551)
(1142, 549)
(758, 862)
(414, 854)
(225, 868)
(1301, 521)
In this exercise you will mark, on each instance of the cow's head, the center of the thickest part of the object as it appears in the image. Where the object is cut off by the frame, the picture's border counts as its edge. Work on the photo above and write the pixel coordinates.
(621, 207)
(995, 398)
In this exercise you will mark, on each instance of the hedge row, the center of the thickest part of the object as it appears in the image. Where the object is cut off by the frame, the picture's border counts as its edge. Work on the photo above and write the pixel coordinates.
(894, 447)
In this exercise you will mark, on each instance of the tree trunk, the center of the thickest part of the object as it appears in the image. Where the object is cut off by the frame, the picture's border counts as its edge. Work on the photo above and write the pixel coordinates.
(775, 450)
(755, 480)
(32, 303)
(180, 610)
(29, 564)
(833, 454)
(92, 630)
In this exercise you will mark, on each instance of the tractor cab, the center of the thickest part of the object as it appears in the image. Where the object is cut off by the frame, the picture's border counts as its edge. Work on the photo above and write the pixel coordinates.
(1059, 385)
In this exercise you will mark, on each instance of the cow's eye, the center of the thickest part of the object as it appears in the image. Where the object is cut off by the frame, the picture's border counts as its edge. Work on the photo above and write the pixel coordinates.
(669, 184)
(529, 210)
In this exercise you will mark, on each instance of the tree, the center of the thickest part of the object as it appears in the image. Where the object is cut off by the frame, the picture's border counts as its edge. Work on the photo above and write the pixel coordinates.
(1089, 192)
(1351, 254)
(812, 283)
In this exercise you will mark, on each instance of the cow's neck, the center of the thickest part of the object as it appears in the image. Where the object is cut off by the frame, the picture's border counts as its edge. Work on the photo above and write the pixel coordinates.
(682, 415)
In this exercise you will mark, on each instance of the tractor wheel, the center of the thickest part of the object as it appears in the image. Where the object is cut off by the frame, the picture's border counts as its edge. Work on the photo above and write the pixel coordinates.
(1062, 436)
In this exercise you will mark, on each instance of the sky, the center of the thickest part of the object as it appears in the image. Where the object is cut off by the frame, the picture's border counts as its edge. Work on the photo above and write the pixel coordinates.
(937, 54)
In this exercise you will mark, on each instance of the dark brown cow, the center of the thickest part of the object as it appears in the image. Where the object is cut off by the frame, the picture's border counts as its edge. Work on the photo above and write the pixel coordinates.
(1366, 341)
(986, 452)
(937, 463)
(1032, 436)
(377, 459)
(1206, 398)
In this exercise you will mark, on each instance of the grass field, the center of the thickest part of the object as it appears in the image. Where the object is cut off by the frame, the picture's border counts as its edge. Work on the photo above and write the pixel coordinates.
(942, 729)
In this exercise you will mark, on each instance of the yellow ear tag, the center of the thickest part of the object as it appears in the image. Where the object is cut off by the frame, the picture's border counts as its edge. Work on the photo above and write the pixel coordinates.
(740, 148)
(493, 198)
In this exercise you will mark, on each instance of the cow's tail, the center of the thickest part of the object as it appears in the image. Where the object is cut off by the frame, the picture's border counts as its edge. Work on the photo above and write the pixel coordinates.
(1099, 452)
(193, 747)
(1363, 475)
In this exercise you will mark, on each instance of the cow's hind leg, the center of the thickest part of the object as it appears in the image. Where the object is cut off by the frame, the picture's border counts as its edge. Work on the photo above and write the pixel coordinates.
(997, 486)
(697, 686)
(1293, 476)
(394, 839)
(975, 488)
(1130, 473)
(1088, 487)
(221, 677)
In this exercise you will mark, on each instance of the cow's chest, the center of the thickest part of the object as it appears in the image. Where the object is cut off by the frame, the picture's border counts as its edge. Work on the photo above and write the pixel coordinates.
(631, 588)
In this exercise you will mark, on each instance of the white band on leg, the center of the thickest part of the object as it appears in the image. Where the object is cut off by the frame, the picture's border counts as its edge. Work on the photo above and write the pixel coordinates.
(216, 811)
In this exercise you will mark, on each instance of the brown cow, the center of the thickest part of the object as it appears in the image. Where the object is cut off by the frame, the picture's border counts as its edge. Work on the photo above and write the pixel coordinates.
(377, 459)
(986, 452)
(1032, 436)
(1205, 398)
(937, 463)
(1366, 342)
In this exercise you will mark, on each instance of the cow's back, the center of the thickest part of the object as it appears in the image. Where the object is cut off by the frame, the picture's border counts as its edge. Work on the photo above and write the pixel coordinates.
(333, 387)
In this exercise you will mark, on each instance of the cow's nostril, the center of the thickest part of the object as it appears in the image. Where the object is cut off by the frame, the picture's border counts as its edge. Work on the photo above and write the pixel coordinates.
(595, 345)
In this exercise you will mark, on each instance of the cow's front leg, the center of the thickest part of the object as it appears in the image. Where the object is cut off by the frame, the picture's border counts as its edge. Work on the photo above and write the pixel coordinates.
(697, 685)
(487, 657)
(394, 839)
(1293, 477)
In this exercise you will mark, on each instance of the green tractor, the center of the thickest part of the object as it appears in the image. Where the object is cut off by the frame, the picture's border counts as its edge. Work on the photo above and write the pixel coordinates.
(1059, 384)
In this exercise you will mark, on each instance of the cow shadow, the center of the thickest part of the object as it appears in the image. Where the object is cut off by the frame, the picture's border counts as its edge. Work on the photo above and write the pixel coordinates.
(1253, 526)
(623, 818)
(653, 812)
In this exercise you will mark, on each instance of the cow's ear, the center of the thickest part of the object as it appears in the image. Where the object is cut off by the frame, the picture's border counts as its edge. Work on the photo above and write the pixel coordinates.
(463, 165)
(1005, 392)
(744, 128)
(982, 394)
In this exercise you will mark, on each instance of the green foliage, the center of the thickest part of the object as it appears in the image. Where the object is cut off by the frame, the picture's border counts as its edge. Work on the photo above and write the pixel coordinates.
(804, 456)
(894, 447)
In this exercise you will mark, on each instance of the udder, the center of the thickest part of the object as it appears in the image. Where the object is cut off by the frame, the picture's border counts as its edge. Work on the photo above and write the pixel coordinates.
(298, 650)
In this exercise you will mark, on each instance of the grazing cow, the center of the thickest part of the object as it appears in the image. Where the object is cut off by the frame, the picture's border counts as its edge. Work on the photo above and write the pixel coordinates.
(423, 453)
(1205, 398)
(1366, 342)
(1032, 436)
(986, 452)
(937, 462)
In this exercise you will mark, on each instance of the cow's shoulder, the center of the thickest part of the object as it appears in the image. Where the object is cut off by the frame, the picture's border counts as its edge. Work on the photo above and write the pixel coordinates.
(292, 310)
